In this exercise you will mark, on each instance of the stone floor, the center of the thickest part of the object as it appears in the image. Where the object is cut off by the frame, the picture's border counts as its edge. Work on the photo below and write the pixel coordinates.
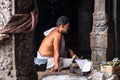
(63, 75)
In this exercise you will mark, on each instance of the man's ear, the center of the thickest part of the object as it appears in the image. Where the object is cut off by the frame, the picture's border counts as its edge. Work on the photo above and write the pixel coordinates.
(62, 25)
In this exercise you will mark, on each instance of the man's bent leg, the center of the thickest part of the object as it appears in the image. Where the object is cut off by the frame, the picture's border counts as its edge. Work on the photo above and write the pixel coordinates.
(65, 63)
(50, 63)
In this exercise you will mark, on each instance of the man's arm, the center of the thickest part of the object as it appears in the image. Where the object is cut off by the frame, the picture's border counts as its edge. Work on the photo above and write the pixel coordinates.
(56, 45)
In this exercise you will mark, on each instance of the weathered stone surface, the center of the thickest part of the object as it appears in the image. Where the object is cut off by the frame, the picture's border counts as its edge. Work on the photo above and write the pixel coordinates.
(5, 12)
(7, 63)
(16, 58)
(24, 56)
(16, 52)
(99, 35)
(15, 18)
(99, 6)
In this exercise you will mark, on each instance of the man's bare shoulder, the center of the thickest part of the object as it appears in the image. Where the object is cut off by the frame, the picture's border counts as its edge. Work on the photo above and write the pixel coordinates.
(56, 33)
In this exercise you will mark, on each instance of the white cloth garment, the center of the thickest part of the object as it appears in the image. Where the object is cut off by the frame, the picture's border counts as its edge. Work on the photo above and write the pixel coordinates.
(64, 62)
(39, 56)
(50, 60)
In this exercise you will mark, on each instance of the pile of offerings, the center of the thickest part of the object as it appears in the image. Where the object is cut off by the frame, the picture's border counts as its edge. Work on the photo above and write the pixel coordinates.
(111, 67)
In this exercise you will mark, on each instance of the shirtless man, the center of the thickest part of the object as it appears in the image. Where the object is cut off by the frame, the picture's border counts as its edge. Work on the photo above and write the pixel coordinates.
(50, 46)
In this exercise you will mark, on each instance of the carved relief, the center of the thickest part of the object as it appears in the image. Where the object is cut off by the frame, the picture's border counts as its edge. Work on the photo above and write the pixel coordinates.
(99, 22)
(5, 12)
(99, 6)
(6, 60)
(99, 40)
(6, 57)
(99, 31)
(99, 36)
(2, 20)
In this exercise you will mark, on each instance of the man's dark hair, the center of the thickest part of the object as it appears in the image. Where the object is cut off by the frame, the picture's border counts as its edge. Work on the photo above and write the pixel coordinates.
(62, 20)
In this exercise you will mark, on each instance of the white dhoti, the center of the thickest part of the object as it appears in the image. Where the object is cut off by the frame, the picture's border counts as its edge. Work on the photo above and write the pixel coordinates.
(64, 62)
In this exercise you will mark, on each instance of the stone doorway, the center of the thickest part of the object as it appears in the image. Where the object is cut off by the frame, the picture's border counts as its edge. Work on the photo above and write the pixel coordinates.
(80, 14)
(77, 11)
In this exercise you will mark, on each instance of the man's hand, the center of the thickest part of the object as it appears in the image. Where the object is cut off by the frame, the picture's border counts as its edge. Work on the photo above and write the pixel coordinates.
(55, 70)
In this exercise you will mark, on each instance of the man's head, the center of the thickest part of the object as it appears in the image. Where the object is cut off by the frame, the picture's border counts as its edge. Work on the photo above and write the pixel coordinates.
(64, 23)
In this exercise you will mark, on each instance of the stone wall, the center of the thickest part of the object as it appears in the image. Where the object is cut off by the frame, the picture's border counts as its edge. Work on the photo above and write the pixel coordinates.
(16, 52)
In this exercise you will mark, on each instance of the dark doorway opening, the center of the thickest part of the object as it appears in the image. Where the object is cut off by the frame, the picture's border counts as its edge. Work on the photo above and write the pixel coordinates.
(80, 14)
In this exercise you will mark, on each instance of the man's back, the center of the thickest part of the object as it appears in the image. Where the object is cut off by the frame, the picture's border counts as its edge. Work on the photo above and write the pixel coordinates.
(47, 45)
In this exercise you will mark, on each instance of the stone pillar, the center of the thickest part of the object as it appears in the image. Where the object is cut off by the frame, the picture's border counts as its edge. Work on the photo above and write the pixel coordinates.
(16, 52)
(99, 35)
(16, 58)
(7, 60)
(23, 50)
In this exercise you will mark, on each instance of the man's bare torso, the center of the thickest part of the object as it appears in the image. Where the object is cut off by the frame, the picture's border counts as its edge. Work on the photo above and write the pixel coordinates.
(47, 47)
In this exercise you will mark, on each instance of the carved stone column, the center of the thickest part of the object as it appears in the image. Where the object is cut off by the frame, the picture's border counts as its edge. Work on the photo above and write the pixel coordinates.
(16, 52)
(7, 58)
(24, 56)
(99, 35)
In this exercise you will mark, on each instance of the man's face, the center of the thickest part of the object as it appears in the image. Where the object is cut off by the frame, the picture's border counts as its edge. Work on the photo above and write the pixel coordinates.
(66, 28)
